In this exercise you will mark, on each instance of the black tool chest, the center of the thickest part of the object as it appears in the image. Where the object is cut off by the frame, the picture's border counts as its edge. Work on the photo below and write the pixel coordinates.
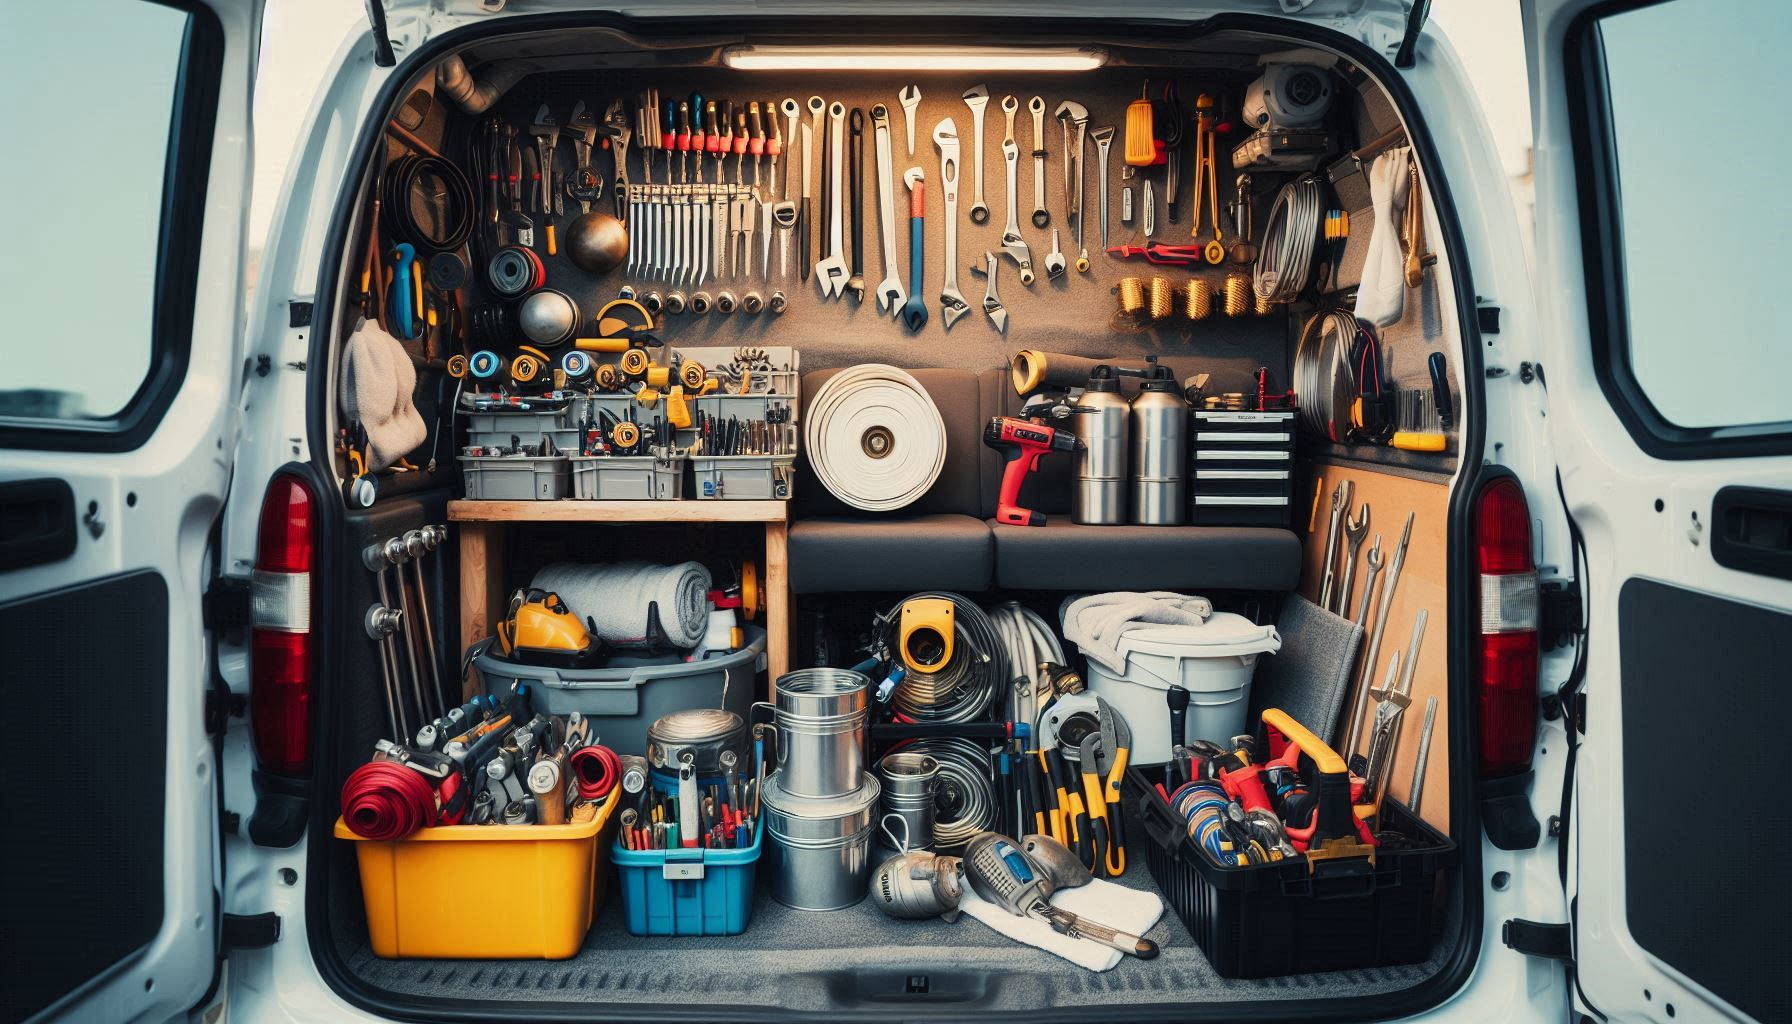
(1242, 467)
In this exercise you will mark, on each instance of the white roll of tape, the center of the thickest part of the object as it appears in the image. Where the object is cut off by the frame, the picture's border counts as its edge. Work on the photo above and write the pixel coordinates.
(875, 438)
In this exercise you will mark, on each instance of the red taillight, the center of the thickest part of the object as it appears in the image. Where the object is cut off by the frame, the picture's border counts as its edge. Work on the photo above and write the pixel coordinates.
(280, 655)
(1506, 659)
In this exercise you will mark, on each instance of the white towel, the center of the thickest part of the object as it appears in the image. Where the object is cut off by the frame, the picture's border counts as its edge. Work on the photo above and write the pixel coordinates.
(376, 391)
(1381, 294)
(1101, 901)
(614, 598)
(1096, 622)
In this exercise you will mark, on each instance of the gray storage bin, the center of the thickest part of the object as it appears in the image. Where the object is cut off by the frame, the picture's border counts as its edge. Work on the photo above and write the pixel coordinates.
(566, 439)
(627, 478)
(633, 690)
(514, 477)
(746, 407)
(521, 423)
(743, 477)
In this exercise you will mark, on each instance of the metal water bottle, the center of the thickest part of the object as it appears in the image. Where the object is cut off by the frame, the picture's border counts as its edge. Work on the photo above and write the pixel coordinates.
(1100, 420)
(1159, 451)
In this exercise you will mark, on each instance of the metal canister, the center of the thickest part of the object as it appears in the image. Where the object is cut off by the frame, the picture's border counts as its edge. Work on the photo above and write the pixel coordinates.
(701, 732)
(1100, 419)
(1159, 451)
(910, 780)
(821, 714)
(820, 851)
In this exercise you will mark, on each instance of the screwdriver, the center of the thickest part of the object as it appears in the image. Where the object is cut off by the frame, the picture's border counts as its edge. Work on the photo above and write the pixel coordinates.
(669, 138)
(756, 146)
(774, 146)
(697, 131)
(684, 142)
(721, 135)
(740, 142)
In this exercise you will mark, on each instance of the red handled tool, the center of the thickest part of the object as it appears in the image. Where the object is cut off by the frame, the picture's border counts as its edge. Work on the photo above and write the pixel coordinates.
(1161, 254)
(1022, 443)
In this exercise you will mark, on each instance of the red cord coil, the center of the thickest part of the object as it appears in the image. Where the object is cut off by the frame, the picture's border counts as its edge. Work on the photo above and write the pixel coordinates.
(383, 800)
(597, 770)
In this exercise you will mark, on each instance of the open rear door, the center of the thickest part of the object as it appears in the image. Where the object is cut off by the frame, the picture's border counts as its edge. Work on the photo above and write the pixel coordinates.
(1661, 216)
(126, 179)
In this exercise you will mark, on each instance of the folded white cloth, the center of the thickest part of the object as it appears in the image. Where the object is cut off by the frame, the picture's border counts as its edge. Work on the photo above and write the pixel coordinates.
(614, 599)
(1101, 901)
(1381, 294)
(1096, 622)
(376, 391)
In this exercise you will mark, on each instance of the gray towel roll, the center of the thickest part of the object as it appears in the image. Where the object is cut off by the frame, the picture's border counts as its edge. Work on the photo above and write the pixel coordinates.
(614, 599)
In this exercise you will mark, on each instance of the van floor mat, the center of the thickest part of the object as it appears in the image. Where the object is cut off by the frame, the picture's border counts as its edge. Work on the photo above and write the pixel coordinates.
(858, 958)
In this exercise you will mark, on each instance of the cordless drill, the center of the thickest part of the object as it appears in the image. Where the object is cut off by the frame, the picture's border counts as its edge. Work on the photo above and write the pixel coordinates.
(1021, 443)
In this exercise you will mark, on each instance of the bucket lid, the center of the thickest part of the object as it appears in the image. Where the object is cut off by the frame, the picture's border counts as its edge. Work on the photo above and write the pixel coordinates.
(856, 804)
(1224, 634)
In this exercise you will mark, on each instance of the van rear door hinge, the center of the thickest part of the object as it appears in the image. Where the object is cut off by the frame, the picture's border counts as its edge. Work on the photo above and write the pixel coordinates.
(250, 931)
(1533, 938)
(1558, 613)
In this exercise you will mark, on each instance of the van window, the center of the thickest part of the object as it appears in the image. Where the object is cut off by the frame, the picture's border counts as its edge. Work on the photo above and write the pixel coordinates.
(1695, 102)
(95, 85)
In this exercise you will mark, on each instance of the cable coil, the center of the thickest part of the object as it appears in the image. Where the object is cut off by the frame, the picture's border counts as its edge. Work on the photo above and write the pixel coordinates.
(384, 800)
(411, 210)
(1322, 375)
(1028, 641)
(596, 770)
(1285, 260)
(965, 795)
(964, 687)
(874, 437)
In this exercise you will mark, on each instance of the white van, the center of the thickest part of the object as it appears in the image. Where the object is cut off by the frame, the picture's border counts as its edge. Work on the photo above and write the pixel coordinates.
(1603, 538)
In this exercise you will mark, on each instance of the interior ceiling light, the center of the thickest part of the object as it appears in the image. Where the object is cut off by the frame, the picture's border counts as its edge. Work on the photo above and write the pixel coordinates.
(913, 58)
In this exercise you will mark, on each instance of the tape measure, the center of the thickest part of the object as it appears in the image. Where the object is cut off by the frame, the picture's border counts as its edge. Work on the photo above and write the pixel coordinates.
(625, 435)
(457, 366)
(634, 363)
(484, 365)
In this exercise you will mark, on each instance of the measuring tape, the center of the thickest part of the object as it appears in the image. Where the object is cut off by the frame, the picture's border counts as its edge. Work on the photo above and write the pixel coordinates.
(875, 439)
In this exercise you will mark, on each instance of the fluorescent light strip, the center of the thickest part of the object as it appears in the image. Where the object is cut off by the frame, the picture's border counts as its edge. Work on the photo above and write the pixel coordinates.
(912, 58)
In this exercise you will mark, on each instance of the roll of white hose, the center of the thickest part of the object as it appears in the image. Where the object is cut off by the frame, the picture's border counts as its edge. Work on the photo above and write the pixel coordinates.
(874, 437)
(1029, 641)
(613, 600)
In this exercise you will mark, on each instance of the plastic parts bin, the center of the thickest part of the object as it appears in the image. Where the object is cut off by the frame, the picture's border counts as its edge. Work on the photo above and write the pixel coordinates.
(627, 478)
(687, 891)
(514, 477)
(743, 477)
(553, 878)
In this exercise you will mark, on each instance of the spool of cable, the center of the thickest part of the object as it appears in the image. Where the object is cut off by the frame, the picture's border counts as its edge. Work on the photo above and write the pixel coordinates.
(1029, 643)
(457, 366)
(953, 681)
(964, 791)
(1322, 373)
(576, 364)
(526, 367)
(691, 374)
(428, 202)
(595, 770)
(514, 270)
(606, 377)
(1286, 258)
(384, 800)
(874, 438)
(633, 363)
(1239, 296)
(1161, 300)
(484, 365)
(1197, 299)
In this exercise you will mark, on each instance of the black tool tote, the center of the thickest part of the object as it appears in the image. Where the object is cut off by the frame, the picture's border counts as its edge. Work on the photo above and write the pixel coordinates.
(1266, 920)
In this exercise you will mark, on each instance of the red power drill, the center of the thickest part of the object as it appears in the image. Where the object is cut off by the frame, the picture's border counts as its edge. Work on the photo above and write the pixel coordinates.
(1021, 443)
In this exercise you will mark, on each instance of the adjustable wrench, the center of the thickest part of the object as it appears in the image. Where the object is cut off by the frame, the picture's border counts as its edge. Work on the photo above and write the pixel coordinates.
(992, 302)
(976, 97)
(914, 311)
(952, 304)
(890, 295)
(1012, 243)
(546, 131)
(584, 185)
(832, 272)
(1104, 138)
(910, 98)
(1073, 114)
(616, 123)
(1041, 216)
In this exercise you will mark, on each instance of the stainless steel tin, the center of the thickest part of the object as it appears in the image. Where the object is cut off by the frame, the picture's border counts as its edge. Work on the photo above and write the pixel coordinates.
(1100, 419)
(911, 782)
(703, 733)
(821, 715)
(1159, 455)
(820, 852)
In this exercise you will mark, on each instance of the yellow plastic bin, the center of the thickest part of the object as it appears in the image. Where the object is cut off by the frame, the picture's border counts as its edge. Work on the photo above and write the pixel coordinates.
(552, 877)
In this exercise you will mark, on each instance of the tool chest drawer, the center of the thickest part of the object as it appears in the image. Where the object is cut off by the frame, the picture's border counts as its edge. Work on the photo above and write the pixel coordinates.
(1241, 467)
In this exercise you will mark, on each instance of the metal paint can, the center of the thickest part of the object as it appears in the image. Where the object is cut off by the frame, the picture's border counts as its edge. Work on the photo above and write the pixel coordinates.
(910, 781)
(820, 851)
(821, 716)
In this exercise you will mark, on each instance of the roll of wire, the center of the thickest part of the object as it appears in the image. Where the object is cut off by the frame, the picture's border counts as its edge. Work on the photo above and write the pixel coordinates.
(595, 770)
(874, 437)
(1160, 301)
(1028, 642)
(1132, 316)
(1197, 299)
(1239, 296)
(1285, 260)
(428, 202)
(965, 793)
(962, 689)
(384, 800)
(1322, 374)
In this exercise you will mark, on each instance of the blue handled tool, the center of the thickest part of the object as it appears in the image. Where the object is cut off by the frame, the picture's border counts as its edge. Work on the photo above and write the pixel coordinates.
(914, 311)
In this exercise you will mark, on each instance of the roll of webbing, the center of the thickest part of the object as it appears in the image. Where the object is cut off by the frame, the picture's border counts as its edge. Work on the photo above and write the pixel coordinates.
(874, 438)
(1032, 369)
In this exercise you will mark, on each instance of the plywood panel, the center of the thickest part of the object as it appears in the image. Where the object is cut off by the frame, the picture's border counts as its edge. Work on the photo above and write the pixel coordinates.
(1422, 584)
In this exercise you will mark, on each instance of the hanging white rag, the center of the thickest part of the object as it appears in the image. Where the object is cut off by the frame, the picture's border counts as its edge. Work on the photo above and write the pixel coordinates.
(377, 390)
(1101, 901)
(613, 599)
(1096, 622)
(1381, 295)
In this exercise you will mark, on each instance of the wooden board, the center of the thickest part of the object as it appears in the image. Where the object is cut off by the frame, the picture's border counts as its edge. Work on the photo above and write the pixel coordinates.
(1422, 584)
(465, 511)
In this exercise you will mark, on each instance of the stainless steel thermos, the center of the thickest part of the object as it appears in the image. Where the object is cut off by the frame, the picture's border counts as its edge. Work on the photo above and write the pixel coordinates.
(1159, 451)
(1100, 418)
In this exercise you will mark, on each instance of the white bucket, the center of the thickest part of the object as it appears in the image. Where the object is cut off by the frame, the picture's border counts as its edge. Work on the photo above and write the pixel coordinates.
(1217, 676)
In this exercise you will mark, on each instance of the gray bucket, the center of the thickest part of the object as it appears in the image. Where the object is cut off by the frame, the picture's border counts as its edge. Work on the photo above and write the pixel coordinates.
(821, 715)
(820, 852)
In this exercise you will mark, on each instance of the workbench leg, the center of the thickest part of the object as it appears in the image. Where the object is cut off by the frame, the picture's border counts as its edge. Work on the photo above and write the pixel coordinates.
(777, 600)
(481, 587)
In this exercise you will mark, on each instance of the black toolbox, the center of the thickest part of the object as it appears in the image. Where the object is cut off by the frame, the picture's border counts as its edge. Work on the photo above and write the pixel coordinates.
(1241, 468)
(1275, 919)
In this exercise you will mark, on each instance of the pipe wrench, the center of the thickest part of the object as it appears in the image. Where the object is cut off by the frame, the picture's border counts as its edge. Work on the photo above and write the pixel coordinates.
(1012, 243)
(952, 304)
(992, 302)
(831, 272)
(890, 294)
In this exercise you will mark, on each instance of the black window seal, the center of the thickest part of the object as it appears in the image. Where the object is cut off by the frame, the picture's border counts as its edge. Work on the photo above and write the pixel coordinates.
(186, 173)
(1602, 240)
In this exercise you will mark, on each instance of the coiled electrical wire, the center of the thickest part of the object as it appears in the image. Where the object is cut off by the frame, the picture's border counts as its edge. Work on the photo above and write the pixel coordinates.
(1162, 299)
(1028, 641)
(1238, 294)
(962, 690)
(428, 202)
(965, 798)
(384, 800)
(1197, 299)
(596, 770)
(1322, 374)
(1286, 258)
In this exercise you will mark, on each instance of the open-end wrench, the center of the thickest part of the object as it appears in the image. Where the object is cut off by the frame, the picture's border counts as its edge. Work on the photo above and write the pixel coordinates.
(718, 225)
(1012, 243)
(1356, 530)
(1042, 217)
(914, 311)
(831, 272)
(700, 209)
(1340, 502)
(584, 186)
(616, 124)
(1054, 260)
(790, 110)
(992, 302)
(890, 295)
(855, 177)
(1374, 562)
(910, 98)
(977, 97)
(952, 304)
(1104, 140)
(1072, 114)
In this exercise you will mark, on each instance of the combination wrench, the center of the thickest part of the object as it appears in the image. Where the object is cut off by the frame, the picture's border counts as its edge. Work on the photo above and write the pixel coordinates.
(1356, 529)
(914, 311)
(790, 110)
(977, 98)
(1072, 114)
(1012, 243)
(952, 304)
(910, 98)
(890, 294)
(855, 177)
(1104, 139)
(811, 131)
(1042, 217)
(1340, 502)
(831, 272)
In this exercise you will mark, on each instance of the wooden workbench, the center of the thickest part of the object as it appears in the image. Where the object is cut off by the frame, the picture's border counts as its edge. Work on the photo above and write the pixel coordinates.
(482, 592)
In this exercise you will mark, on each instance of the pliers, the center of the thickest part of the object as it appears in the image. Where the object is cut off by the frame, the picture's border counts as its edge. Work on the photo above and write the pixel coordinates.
(1103, 758)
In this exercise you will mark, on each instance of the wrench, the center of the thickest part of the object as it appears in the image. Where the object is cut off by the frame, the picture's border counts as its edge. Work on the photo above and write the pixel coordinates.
(1340, 502)
(790, 110)
(584, 186)
(1356, 529)
(1073, 114)
(952, 304)
(1054, 260)
(1375, 563)
(1104, 139)
(616, 123)
(784, 216)
(765, 240)
(700, 208)
(718, 224)
(1012, 243)
(914, 311)
(831, 273)
(811, 131)
(890, 295)
(910, 98)
(976, 97)
(855, 176)
(1041, 216)
(992, 303)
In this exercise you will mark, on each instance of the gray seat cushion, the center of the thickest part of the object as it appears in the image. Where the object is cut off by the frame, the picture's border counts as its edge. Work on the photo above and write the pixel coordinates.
(843, 554)
(1065, 556)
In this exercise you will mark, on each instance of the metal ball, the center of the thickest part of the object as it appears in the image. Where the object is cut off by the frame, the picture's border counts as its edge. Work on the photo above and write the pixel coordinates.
(548, 317)
(595, 242)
